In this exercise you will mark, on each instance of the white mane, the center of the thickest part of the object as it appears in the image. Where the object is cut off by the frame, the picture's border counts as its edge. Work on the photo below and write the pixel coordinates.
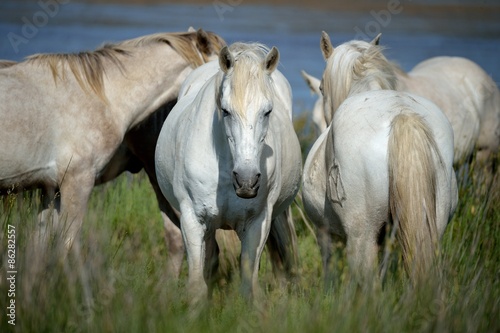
(355, 67)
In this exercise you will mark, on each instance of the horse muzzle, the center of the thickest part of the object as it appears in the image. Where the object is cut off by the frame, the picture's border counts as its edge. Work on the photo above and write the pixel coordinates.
(246, 187)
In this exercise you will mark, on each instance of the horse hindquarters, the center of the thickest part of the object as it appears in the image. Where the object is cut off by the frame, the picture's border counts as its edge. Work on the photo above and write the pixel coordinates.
(413, 183)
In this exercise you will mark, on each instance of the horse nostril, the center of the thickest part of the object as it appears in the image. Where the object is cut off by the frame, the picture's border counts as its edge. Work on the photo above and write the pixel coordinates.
(257, 179)
(235, 176)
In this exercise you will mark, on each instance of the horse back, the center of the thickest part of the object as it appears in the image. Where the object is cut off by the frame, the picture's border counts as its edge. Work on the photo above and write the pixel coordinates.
(358, 169)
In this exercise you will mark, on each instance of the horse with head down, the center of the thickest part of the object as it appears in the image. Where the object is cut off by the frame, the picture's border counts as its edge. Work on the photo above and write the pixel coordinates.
(66, 117)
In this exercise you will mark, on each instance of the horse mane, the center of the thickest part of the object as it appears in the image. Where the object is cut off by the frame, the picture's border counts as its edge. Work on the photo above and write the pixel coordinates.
(88, 67)
(182, 42)
(7, 63)
(247, 74)
(358, 66)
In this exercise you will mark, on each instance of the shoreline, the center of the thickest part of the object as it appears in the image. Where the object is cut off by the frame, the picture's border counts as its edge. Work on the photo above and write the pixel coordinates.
(471, 10)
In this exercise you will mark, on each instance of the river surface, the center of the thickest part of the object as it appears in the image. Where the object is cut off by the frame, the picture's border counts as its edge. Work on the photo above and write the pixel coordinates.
(28, 27)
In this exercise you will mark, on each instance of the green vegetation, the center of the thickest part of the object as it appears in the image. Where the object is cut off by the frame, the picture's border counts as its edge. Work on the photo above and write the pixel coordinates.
(119, 282)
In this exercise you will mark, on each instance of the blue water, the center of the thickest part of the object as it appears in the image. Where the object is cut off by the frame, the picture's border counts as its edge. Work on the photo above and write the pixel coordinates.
(409, 39)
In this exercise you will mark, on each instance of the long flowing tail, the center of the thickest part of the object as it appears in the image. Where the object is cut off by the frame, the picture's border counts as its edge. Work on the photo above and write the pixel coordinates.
(412, 191)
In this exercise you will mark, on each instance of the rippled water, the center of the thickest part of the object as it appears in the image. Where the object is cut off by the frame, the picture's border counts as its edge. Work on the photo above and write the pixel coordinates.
(409, 39)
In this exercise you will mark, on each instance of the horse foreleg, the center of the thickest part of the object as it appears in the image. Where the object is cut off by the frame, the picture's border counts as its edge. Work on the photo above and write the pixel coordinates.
(193, 233)
(171, 223)
(253, 238)
(47, 216)
(175, 247)
(75, 193)
(211, 261)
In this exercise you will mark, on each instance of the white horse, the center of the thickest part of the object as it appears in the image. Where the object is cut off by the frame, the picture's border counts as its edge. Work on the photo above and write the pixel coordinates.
(385, 158)
(65, 116)
(460, 88)
(228, 157)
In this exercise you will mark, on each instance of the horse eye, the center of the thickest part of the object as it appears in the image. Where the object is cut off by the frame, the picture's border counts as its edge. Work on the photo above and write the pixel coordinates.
(225, 113)
(321, 87)
(267, 113)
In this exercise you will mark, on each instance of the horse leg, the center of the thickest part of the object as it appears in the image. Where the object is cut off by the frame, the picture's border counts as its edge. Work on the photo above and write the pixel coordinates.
(230, 249)
(175, 247)
(362, 255)
(193, 233)
(173, 236)
(282, 246)
(211, 261)
(325, 242)
(253, 238)
(171, 223)
(75, 192)
(47, 217)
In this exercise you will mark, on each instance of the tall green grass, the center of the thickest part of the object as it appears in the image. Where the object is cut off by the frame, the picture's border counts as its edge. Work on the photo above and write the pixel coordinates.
(118, 283)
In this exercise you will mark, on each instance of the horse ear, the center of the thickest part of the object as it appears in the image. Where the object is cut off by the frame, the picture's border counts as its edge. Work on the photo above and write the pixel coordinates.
(312, 82)
(272, 60)
(226, 60)
(203, 41)
(376, 40)
(326, 45)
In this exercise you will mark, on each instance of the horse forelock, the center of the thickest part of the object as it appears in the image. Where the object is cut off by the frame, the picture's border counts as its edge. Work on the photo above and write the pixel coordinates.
(247, 79)
(355, 67)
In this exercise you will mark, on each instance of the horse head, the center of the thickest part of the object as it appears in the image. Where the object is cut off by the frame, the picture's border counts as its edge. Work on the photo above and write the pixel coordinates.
(207, 43)
(351, 68)
(245, 103)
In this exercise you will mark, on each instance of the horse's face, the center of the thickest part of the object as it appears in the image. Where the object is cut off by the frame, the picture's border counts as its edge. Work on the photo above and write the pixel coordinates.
(245, 105)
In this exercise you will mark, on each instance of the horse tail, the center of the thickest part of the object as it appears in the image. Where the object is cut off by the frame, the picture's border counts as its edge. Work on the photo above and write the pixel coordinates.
(412, 191)
(283, 247)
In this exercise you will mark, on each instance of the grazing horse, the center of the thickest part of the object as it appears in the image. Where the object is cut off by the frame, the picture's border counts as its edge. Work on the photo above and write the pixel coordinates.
(461, 89)
(385, 158)
(66, 116)
(228, 158)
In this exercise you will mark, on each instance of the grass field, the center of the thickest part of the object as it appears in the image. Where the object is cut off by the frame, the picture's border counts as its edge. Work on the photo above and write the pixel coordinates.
(122, 270)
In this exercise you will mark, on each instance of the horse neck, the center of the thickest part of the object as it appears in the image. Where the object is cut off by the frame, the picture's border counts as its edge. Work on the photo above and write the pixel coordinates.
(149, 78)
(375, 78)
(403, 79)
